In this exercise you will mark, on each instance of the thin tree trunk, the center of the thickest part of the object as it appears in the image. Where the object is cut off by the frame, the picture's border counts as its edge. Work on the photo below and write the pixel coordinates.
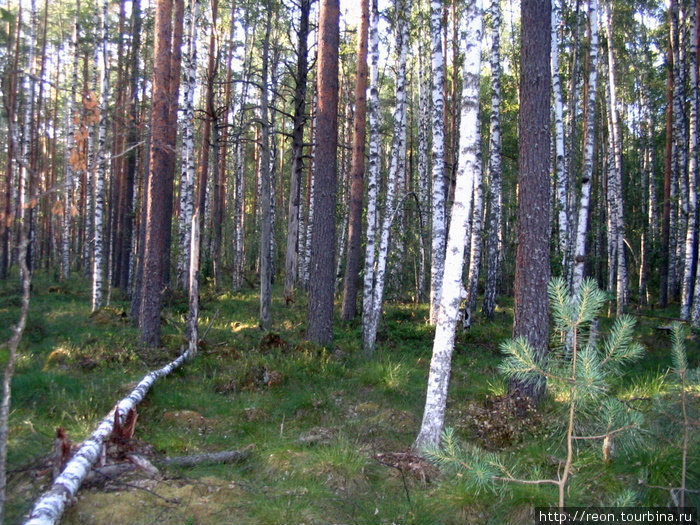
(690, 283)
(621, 284)
(265, 185)
(438, 167)
(373, 171)
(98, 258)
(589, 142)
(438, 380)
(664, 268)
(495, 216)
(352, 266)
(188, 160)
(398, 152)
(560, 154)
(291, 266)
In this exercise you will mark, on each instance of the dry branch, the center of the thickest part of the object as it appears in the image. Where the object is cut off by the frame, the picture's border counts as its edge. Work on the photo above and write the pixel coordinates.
(212, 458)
(49, 507)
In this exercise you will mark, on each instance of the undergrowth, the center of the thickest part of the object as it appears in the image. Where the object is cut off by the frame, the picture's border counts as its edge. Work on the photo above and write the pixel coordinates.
(317, 416)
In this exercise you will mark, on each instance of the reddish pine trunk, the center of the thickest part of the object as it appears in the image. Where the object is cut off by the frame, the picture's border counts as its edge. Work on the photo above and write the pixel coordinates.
(320, 309)
(159, 184)
(352, 268)
(531, 318)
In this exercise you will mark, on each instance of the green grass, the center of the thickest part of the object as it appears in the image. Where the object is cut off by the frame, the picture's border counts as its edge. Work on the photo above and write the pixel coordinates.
(316, 426)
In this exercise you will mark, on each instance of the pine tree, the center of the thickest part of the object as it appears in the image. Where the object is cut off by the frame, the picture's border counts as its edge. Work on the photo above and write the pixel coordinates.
(580, 372)
(320, 308)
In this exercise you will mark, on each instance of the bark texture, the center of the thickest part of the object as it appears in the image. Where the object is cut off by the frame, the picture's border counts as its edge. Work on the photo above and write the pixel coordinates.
(320, 308)
(531, 316)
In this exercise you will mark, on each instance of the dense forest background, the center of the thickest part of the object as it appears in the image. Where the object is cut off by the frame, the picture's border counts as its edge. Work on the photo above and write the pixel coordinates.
(352, 169)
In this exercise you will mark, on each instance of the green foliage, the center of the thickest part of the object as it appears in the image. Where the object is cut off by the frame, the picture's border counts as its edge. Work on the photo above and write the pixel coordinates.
(580, 372)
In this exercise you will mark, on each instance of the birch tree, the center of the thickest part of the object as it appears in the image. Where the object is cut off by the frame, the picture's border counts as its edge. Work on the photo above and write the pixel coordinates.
(438, 165)
(589, 141)
(615, 189)
(443, 345)
(691, 259)
(292, 254)
(265, 184)
(559, 152)
(101, 167)
(188, 167)
(398, 152)
(71, 150)
(494, 175)
(372, 172)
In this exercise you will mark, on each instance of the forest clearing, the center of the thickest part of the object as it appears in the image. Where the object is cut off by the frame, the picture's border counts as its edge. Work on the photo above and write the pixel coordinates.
(313, 261)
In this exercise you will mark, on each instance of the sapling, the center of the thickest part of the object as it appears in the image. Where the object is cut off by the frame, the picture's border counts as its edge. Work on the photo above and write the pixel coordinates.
(578, 369)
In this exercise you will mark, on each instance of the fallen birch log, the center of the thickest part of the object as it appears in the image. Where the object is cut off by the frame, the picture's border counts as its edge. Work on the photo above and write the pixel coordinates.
(50, 506)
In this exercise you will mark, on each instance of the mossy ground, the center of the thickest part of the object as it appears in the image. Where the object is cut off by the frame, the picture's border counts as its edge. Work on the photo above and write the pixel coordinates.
(317, 417)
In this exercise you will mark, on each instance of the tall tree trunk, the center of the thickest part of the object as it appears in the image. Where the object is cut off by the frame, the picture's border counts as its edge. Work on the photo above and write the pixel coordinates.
(374, 162)
(71, 148)
(160, 184)
(398, 153)
(495, 217)
(690, 282)
(531, 315)
(664, 268)
(98, 258)
(352, 266)
(265, 185)
(291, 266)
(589, 142)
(320, 308)
(621, 284)
(469, 138)
(423, 158)
(559, 152)
(209, 121)
(438, 167)
(188, 160)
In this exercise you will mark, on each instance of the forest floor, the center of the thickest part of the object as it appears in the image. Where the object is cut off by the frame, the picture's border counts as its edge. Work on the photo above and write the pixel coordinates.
(328, 427)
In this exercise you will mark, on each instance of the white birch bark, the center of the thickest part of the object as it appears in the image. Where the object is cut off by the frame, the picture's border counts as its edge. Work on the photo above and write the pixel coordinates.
(438, 380)
(101, 168)
(495, 217)
(474, 233)
(423, 160)
(621, 284)
(589, 127)
(373, 162)
(675, 167)
(92, 152)
(559, 153)
(238, 217)
(438, 167)
(28, 86)
(49, 508)
(691, 258)
(187, 173)
(71, 146)
(398, 152)
(193, 287)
